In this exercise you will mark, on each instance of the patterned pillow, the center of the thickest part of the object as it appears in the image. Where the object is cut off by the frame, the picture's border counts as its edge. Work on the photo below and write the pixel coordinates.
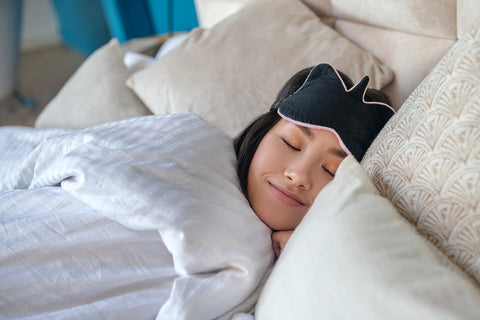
(427, 158)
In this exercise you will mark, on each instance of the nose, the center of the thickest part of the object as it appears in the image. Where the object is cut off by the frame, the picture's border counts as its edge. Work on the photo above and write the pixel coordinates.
(299, 177)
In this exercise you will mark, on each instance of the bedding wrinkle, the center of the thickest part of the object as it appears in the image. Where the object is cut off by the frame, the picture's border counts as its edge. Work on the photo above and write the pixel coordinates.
(132, 219)
(90, 254)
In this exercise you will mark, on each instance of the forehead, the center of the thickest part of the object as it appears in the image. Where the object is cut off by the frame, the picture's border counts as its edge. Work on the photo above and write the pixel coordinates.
(296, 129)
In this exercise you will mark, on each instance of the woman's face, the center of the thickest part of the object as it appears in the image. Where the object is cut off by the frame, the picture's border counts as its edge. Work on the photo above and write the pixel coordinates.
(290, 167)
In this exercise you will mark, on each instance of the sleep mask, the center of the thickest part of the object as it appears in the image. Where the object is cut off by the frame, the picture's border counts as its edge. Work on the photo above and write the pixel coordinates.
(324, 102)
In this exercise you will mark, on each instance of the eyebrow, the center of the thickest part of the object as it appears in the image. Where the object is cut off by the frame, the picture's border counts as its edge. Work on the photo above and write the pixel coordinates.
(305, 130)
(336, 152)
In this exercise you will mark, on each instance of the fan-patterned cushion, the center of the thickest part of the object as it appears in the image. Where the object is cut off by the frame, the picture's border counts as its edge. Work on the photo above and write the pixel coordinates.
(427, 158)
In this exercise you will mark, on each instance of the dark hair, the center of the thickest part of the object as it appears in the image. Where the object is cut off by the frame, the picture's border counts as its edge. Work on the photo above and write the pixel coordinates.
(247, 142)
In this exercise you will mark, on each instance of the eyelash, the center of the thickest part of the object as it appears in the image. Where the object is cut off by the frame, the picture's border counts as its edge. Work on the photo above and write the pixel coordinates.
(289, 145)
(328, 171)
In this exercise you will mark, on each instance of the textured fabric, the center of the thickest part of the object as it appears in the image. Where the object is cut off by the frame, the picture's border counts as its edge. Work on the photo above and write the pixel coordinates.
(355, 257)
(231, 73)
(60, 259)
(96, 93)
(88, 216)
(427, 158)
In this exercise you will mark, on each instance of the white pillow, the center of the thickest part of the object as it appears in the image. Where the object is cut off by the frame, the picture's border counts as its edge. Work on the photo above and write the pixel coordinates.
(354, 257)
(231, 73)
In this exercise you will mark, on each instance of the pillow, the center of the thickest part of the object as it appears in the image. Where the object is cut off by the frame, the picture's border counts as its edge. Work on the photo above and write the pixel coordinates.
(96, 93)
(210, 12)
(426, 159)
(411, 16)
(231, 73)
(354, 257)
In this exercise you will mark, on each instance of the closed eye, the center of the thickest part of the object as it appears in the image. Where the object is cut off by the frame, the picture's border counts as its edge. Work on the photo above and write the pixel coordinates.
(329, 172)
(289, 145)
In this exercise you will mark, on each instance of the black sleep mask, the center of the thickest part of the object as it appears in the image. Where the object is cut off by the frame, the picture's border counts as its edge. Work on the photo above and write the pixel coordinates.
(324, 102)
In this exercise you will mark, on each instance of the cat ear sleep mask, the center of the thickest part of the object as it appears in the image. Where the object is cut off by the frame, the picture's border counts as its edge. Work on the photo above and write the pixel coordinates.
(324, 102)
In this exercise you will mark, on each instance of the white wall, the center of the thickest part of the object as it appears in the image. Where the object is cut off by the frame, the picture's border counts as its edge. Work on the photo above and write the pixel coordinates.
(39, 24)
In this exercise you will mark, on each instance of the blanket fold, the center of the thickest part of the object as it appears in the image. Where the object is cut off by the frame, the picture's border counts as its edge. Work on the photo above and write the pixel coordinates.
(172, 175)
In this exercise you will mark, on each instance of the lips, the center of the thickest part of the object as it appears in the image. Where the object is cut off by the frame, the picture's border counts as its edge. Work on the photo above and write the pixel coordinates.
(285, 197)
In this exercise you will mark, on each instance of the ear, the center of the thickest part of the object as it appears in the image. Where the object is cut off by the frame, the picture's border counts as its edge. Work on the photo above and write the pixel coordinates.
(358, 91)
(325, 71)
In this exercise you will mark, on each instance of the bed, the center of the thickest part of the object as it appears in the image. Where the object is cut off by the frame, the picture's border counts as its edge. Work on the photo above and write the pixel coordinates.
(123, 201)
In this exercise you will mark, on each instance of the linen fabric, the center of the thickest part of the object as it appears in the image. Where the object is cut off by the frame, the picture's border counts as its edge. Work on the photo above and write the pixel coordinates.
(134, 219)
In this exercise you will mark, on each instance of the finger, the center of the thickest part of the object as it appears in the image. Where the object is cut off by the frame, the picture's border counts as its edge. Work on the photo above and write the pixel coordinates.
(276, 248)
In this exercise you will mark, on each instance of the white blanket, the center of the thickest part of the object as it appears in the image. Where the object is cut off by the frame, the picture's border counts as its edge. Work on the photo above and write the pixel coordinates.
(135, 219)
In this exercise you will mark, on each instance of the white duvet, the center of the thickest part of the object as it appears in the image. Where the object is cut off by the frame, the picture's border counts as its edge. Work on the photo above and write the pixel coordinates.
(136, 219)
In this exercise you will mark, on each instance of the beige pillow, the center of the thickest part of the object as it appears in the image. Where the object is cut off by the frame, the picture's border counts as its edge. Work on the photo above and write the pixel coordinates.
(231, 73)
(355, 257)
(96, 93)
(210, 12)
(412, 16)
(426, 160)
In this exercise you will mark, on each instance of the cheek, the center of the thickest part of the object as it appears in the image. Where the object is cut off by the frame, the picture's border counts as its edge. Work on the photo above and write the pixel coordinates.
(267, 149)
(255, 173)
(322, 179)
(320, 182)
(257, 187)
(265, 159)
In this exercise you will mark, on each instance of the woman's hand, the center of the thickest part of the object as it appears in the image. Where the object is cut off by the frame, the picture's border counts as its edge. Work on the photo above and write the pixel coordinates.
(279, 240)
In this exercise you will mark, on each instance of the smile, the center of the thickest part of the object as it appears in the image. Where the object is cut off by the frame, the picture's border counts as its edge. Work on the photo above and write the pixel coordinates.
(285, 197)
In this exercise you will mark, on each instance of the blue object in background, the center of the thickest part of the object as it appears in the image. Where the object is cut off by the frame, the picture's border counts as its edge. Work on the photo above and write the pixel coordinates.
(86, 25)
(172, 15)
(83, 26)
(129, 19)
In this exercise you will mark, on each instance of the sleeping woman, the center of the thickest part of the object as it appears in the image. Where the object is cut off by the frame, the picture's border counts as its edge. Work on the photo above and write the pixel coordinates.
(287, 155)
(135, 219)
